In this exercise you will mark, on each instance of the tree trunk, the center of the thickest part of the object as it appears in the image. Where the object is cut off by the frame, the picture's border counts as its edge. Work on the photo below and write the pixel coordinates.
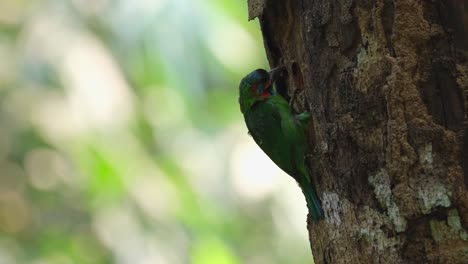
(386, 82)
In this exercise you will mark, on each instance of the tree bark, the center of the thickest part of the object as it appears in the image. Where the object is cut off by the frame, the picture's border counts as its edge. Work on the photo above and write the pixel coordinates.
(386, 82)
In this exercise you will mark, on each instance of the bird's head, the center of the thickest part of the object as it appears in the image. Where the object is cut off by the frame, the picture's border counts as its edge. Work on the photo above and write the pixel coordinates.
(256, 86)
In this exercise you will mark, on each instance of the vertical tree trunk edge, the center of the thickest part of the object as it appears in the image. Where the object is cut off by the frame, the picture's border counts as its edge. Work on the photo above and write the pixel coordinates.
(386, 82)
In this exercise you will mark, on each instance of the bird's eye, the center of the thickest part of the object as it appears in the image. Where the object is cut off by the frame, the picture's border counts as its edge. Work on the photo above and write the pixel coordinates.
(255, 88)
(260, 89)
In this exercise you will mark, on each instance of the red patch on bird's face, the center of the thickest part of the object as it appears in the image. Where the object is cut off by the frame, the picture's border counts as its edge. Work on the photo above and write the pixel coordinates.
(267, 92)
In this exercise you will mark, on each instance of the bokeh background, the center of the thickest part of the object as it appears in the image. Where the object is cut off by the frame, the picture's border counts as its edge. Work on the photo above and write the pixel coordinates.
(121, 139)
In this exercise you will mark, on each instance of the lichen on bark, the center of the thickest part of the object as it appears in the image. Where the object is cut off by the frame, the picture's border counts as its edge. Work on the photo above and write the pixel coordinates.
(382, 190)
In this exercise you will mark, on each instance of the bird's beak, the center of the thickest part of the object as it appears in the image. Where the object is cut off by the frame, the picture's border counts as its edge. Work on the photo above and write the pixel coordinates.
(276, 72)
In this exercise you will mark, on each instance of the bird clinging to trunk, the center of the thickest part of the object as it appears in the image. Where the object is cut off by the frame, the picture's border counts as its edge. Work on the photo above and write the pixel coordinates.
(278, 131)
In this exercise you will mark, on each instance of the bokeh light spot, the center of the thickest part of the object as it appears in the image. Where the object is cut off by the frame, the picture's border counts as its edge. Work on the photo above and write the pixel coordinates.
(225, 44)
(212, 251)
(254, 175)
(46, 169)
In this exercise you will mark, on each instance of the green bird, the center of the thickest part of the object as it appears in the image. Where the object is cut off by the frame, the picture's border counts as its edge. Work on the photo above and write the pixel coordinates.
(277, 131)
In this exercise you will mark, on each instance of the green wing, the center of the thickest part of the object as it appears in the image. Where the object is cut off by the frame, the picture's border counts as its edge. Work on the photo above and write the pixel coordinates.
(276, 130)
(281, 135)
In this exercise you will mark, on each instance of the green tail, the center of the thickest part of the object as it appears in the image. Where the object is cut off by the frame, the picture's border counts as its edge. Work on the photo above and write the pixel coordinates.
(313, 204)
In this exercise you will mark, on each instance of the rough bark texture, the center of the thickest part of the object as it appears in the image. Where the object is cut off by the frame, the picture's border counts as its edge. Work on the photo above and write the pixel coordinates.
(386, 82)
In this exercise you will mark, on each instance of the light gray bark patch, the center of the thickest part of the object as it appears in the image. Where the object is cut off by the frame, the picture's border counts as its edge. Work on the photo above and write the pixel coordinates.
(448, 230)
(332, 206)
(425, 155)
(370, 229)
(383, 193)
(433, 194)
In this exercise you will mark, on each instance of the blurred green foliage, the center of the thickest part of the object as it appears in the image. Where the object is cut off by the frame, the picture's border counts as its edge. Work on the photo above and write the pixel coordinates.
(121, 139)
